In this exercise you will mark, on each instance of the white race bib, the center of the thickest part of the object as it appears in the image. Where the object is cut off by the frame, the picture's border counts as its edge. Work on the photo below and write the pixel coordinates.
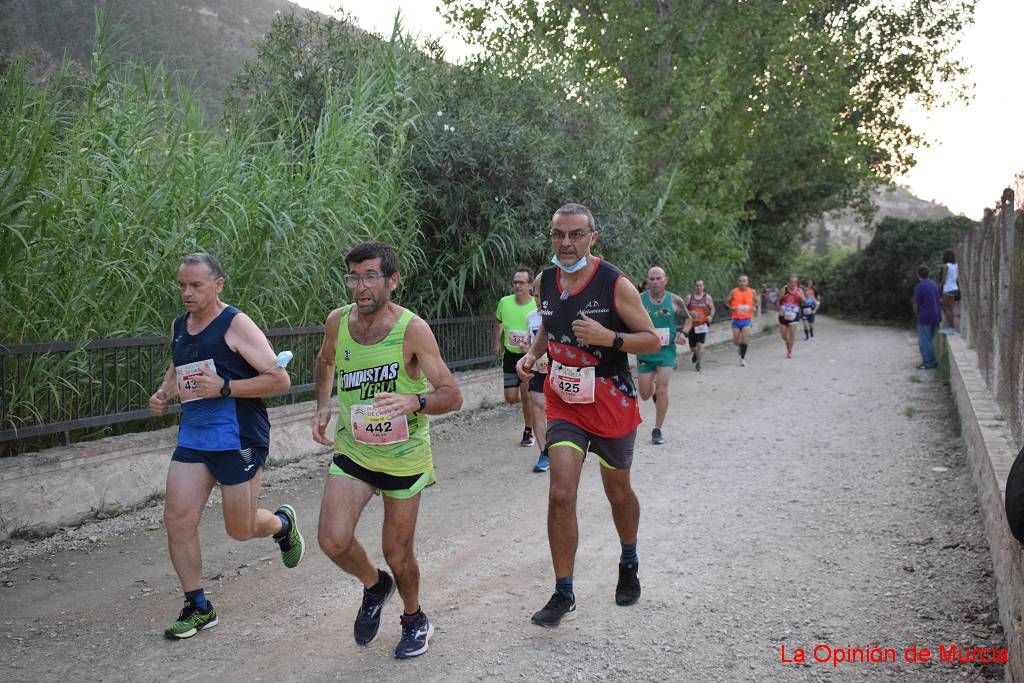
(573, 385)
(372, 426)
(790, 311)
(187, 389)
(663, 334)
(700, 329)
(743, 308)
(541, 365)
(518, 337)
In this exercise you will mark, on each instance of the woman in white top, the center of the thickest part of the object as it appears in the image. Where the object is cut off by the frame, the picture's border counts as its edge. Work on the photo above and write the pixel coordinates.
(949, 278)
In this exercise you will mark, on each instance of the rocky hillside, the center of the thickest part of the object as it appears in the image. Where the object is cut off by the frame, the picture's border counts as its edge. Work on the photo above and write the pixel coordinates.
(846, 228)
(205, 41)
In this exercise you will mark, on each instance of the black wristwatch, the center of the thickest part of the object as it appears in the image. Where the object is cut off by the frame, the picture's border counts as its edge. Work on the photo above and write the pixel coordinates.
(423, 402)
(619, 341)
(225, 390)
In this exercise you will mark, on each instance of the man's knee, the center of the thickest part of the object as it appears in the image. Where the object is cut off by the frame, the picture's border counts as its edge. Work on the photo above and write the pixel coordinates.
(561, 495)
(334, 544)
(240, 530)
(620, 492)
(180, 519)
(397, 555)
(512, 396)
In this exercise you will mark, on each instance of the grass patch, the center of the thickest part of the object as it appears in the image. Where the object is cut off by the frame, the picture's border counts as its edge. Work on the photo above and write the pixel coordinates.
(914, 379)
(910, 411)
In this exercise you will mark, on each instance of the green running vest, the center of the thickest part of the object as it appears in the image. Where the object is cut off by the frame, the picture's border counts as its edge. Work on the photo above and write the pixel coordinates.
(362, 371)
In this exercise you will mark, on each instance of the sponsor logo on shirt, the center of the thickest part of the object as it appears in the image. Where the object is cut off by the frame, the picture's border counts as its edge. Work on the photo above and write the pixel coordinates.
(369, 381)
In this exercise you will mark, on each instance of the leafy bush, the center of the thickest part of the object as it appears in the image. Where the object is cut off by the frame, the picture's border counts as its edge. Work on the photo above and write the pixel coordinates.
(879, 281)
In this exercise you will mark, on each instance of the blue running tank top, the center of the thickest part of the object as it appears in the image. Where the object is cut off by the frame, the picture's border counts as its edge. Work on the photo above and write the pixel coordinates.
(218, 424)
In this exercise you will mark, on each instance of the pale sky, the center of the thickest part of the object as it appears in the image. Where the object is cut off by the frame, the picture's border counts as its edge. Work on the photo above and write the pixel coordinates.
(977, 148)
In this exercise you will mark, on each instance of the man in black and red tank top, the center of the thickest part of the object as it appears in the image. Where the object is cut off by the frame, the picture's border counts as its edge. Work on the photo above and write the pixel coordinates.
(592, 317)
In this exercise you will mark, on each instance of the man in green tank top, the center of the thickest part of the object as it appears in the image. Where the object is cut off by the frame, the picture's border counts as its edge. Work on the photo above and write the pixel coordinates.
(667, 312)
(383, 357)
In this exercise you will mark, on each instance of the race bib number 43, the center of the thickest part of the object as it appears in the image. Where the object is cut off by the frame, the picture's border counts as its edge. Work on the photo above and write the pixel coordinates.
(370, 425)
(790, 311)
(573, 385)
(187, 389)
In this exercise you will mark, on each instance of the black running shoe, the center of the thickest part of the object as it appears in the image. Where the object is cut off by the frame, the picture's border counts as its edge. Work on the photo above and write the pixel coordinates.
(528, 439)
(368, 619)
(559, 608)
(656, 437)
(627, 591)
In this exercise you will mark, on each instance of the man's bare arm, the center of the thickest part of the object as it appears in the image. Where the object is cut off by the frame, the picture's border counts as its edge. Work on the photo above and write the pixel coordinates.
(444, 397)
(323, 378)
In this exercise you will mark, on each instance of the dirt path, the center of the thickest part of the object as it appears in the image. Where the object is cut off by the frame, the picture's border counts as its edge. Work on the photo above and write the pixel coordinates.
(794, 503)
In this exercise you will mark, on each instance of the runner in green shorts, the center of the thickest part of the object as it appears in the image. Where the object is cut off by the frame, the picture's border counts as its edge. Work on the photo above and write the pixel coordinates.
(668, 313)
(383, 356)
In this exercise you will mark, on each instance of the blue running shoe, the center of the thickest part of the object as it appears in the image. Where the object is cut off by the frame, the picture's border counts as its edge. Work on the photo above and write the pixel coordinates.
(543, 463)
(415, 637)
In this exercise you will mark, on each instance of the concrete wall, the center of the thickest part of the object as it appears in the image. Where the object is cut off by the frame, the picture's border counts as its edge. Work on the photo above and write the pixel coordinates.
(991, 451)
(40, 492)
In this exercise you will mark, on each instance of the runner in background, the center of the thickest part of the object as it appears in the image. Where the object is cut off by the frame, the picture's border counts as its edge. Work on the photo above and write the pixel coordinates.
(701, 308)
(536, 393)
(511, 339)
(668, 313)
(742, 302)
(811, 309)
(791, 300)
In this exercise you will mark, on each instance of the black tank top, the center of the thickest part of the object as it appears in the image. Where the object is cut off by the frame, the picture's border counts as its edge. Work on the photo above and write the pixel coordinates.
(597, 300)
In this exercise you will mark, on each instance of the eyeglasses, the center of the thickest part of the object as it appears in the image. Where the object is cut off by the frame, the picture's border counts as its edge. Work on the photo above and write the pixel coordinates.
(368, 280)
(574, 236)
(520, 282)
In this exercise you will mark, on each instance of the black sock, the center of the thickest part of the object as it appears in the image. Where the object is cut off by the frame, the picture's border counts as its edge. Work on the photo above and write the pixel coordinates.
(286, 526)
(379, 588)
(743, 350)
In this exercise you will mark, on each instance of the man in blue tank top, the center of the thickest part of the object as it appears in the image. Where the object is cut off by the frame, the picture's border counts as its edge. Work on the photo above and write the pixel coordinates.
(222, 367)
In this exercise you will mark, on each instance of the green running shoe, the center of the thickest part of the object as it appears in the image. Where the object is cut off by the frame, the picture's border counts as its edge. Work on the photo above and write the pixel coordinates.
(191, 621)
(292, 546)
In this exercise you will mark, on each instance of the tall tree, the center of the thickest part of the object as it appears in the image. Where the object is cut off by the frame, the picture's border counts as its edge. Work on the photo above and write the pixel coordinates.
(751, 116)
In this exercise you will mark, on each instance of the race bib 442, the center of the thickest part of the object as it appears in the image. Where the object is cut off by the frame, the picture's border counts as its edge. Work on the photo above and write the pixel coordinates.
(372, 426)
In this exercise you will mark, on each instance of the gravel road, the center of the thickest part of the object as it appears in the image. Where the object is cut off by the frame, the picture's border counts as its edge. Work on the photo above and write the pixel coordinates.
(822, 501)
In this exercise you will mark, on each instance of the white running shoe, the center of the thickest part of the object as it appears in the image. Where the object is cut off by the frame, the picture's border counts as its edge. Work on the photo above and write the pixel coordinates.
(743, 362)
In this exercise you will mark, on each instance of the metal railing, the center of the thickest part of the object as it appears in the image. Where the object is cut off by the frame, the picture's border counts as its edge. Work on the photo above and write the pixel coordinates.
(61, 387)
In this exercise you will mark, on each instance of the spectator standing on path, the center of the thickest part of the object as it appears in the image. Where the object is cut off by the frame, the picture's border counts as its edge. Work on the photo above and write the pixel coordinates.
(592, 318)
(949, 276)
(511, 339)
(810, 310)
(926, 308)
(668, 312)
(222, 368)
(742, 302)
(701, 308)
(383, 356)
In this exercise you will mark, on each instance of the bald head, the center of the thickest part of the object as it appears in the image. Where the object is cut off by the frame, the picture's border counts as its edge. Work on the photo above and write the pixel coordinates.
(656, 281)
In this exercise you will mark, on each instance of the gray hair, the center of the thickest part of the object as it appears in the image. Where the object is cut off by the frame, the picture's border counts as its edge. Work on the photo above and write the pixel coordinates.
(577, 210)
(201, 257)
